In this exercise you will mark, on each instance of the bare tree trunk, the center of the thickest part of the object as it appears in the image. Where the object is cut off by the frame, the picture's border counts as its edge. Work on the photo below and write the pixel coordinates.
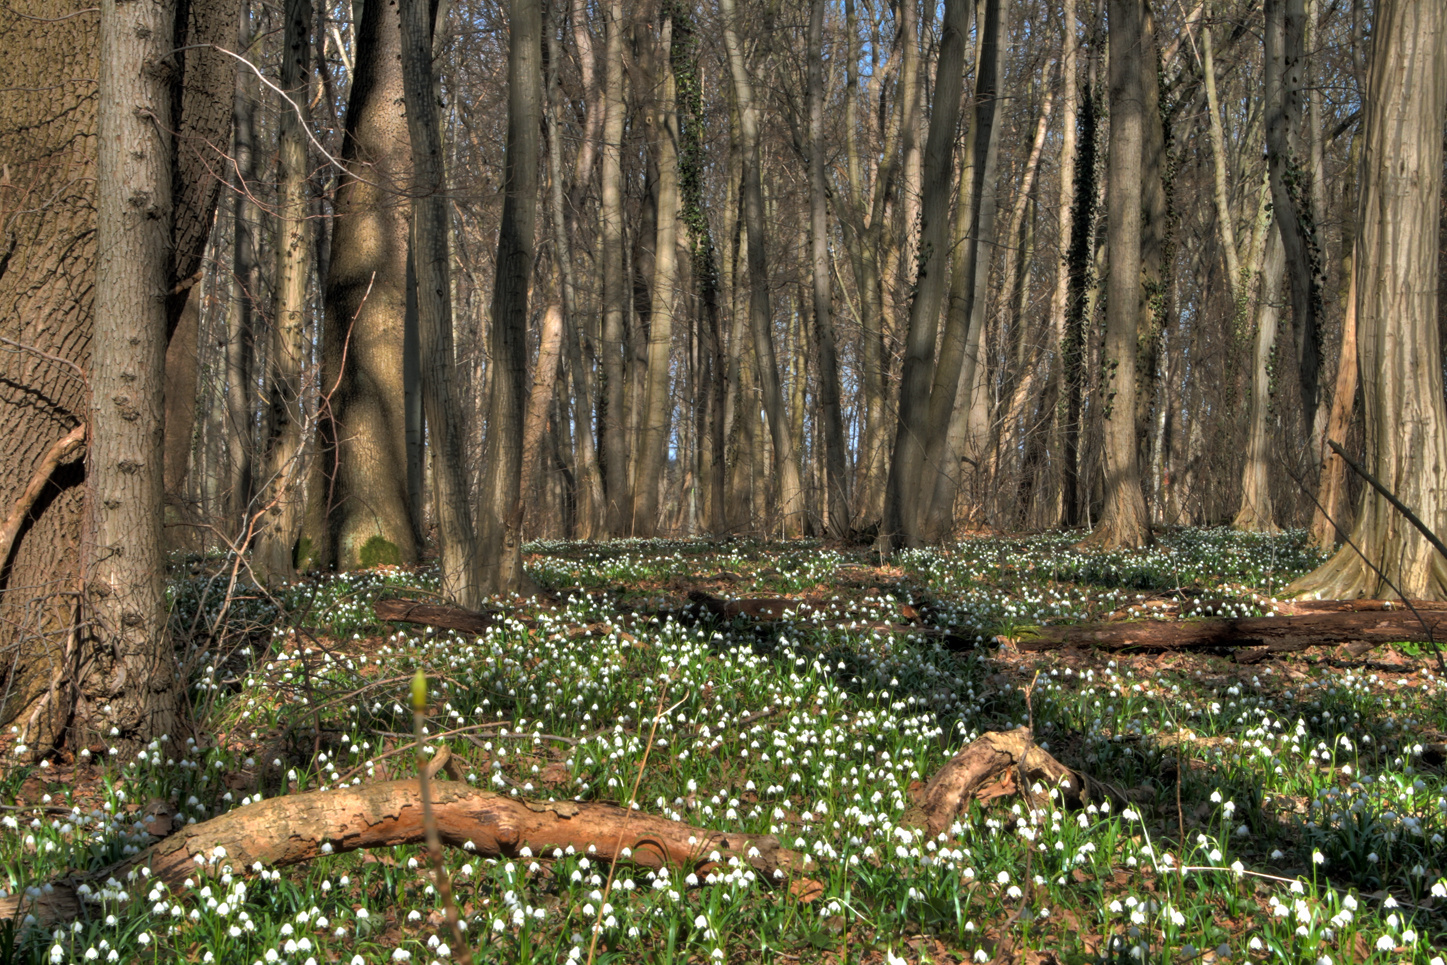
(1328, 522)
(835, 455)
(363, 427)
(1256, 514)
(1123, 522)
(1287, 86)
(501, 543)
(761, 312)
(611, 414)
(1397, 336)
(653, 434)
(959, 376)
(462, 574)
(125, 634)
(245, 281)
(901, 524)
(274, 554)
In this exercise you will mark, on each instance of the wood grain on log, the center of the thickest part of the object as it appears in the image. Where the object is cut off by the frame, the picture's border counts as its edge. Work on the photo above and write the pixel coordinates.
(296, 828)
(433, 615)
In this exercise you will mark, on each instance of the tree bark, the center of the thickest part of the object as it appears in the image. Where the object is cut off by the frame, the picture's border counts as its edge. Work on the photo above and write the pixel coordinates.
(1123, 522)
(656, 408)
(245, 289)
(611, 414)
(761, 312)
(1257, 514)
(1397, 335)
(501, 530)
(124, 633)
(1287, 86)
(836, 497)
(901, 524)
(462, 573)
(363, 427)
(274, 557)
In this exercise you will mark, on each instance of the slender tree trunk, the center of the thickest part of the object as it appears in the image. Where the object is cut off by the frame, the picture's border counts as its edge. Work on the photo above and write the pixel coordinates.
(1123, 522)
(761, 312)
(611, 412)
(245, 282)
(274, 554)
(1397, 334)
(836, 494)
(501, 543)
(958, 386)
(1256, 514)
(363, 428)
(653, 436)
(901, 517)
(462, 572)
(1287, 86)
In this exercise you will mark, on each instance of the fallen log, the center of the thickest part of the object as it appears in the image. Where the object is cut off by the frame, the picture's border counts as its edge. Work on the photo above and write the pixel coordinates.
(297, 828)
(994, 765)
(433, 615)
(1326, 627)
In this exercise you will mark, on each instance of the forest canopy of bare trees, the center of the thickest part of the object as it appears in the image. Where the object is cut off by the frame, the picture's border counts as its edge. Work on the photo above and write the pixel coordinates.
(359, 284)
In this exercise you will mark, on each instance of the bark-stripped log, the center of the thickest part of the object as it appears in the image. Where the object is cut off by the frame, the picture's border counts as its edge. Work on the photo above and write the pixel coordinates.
(299, 827)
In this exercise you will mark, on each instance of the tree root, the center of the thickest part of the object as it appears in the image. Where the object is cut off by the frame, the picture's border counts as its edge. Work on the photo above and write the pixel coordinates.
(300, 827)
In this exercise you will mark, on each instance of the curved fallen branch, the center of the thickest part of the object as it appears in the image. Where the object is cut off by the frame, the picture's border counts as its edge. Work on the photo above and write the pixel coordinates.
(301, 827)
(62, 450)
(994, 765)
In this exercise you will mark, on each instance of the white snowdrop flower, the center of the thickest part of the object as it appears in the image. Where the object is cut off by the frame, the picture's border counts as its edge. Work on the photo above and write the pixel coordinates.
(1385, 943)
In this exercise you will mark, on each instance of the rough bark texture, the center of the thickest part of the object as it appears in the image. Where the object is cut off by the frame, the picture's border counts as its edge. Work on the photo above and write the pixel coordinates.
(901, 504)
(1123, 522)
(614, 449)
(500, 551)
(1285, 632)
(274, 557)
(1256, 514)
(364, 437)
(462, 576)
(432, 615)
(302, 827)
(995, 765)
(48, 221)
(1397, 335)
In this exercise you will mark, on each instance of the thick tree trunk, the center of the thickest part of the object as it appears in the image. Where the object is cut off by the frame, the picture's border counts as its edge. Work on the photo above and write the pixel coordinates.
(364, 431)
(124, 634)
(901, 526)
(761, 312)
(1397, 335)
(462, 573)
(1256, 514)
(274, 557)
(501, 529)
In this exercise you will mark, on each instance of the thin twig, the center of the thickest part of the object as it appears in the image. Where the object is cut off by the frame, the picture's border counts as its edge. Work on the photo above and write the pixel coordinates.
(429, 825)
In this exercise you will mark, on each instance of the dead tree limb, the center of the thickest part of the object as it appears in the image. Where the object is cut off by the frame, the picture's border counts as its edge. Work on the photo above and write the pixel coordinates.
(62, 450)
(433, 615)
(297, 828)
(1278, 633)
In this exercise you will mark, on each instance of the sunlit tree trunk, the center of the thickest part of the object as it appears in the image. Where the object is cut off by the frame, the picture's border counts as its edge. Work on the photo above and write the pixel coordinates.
(611, 413)
(1256, 514)
(1397, 335)
(1123, 522)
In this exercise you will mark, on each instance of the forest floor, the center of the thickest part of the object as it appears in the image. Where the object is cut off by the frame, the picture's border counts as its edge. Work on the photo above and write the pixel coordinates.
(1290, 810)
